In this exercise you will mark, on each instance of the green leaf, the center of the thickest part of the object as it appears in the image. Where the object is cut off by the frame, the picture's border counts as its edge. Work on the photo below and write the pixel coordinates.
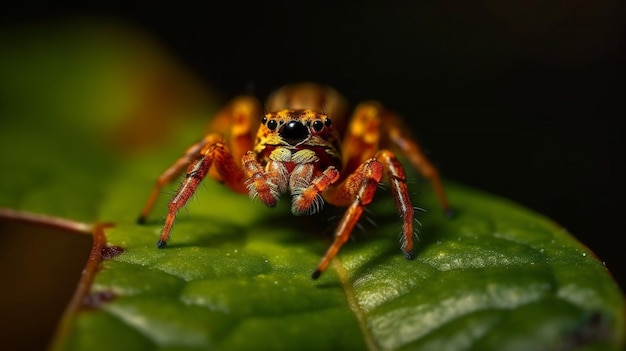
(236, 275)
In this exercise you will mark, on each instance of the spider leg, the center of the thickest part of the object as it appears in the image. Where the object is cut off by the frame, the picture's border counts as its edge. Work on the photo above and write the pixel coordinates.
(234, 120)
(365, 165)
(397, 180)
(398, 137)
(266, 186)
(171, 173)
(372, 128)
(357, 190)
(217, 155)
(307, 199)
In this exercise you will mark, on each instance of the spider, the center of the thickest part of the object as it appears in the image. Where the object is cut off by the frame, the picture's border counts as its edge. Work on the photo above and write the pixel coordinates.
(304, 146)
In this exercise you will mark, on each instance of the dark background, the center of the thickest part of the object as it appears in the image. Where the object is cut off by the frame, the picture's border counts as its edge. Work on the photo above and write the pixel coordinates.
(519, 98)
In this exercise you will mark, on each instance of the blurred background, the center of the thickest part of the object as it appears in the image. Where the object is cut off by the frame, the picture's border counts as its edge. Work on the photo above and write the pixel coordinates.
(523, 99)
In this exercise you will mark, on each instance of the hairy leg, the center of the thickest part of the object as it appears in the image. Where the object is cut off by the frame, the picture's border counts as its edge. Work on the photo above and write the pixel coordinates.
(234, 121)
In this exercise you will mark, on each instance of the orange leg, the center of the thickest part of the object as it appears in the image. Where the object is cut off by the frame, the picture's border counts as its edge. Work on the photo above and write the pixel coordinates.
(400, 191)
(260, 184)
(358, 190)
(373, 128)
(234, 120)
(308, 200)
(173, 172)
(215, 154)
(362, 139)
(398, 137)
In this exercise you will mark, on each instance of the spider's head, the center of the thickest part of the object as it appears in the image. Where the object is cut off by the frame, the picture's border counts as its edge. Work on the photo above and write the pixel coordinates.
(296, 128)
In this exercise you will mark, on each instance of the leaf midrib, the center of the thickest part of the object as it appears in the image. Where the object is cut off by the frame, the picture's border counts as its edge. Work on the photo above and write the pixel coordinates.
(353, 303)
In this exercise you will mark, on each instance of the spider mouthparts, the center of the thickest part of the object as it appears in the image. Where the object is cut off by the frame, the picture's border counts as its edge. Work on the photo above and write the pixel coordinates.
(316, 274)
(161, 244)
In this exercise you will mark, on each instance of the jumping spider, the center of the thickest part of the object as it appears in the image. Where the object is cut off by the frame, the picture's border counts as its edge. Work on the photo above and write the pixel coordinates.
(303, 147)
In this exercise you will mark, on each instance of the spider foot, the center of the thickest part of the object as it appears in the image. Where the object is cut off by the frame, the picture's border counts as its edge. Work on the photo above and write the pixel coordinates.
(161, 244)
(409, 255)
(316, 274)
(141, 220)
(449, 212)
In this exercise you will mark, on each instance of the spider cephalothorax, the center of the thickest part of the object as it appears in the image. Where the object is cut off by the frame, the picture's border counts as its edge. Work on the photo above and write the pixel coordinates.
(302, 149)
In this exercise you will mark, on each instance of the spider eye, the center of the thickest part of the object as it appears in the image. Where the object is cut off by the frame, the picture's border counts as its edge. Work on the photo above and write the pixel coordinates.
(318, 125)
(272, 124)
(327, 122)
(264, 120)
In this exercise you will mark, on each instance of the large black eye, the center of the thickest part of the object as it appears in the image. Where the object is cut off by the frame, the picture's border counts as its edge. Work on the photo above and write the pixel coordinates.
(294, 132)
(318, 125)
(272, 124)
